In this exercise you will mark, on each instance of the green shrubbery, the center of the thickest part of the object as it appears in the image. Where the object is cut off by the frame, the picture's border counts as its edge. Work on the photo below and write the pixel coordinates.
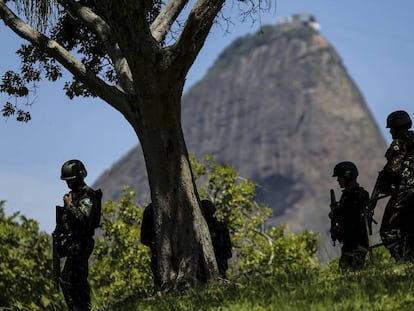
(25, 266)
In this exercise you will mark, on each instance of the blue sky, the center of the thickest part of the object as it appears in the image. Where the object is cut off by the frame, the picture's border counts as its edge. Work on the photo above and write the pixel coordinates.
(375, 39)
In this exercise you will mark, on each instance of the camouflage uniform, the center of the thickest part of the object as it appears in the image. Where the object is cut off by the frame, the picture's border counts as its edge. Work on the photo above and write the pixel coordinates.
(351, 227)
(220, 237)
(398, 180)
(78, 219)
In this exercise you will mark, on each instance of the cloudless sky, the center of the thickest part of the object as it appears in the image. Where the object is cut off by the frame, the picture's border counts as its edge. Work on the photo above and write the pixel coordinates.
(375, 39)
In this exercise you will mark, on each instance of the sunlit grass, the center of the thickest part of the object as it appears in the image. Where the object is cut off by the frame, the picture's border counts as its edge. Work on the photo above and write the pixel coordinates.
(381, 286)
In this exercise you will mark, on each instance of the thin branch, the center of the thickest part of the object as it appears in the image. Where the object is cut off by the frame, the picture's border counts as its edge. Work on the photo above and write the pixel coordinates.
(108, 93)
(196, 30)
(162, 24)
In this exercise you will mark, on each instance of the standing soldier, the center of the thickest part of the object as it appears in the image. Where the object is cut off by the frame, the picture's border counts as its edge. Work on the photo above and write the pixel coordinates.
(349, 223)
(78, 218)
(148, 239)
(220, 237)
(397, 180)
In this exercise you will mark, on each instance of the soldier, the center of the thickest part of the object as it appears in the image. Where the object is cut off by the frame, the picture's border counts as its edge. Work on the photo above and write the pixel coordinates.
(397, 179)
(148, 239)
(349, 225)
(220, 237)
(79, 217)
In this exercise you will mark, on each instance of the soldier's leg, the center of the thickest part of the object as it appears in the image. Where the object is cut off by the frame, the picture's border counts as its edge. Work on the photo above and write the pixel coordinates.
(65, 282)
(74, 283)
(359, 255)
(406, 215)
(390, 231)
(83, 290)
(345, 261)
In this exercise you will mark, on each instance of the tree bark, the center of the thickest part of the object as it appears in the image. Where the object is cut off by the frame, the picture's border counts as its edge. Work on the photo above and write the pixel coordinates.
(184, 248)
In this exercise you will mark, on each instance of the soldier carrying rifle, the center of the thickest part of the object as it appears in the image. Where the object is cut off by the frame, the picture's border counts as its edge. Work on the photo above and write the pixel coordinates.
(397, 180)
(73, 236)
(348, 217)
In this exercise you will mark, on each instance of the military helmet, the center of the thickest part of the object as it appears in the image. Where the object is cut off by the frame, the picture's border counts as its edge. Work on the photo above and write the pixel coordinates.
(73, 169)
(208, 207)
(346, 169)
(398, 119)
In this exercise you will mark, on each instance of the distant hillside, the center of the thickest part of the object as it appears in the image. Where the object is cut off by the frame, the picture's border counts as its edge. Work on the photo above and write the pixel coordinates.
(282, 110)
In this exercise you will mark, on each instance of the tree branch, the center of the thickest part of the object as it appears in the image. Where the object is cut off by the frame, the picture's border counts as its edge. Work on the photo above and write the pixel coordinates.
(162, 24)
(98, 26)
(195, 32)
(108, 93)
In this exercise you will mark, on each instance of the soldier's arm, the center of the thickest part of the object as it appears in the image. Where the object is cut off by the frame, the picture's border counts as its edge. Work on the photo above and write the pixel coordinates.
(84, 210)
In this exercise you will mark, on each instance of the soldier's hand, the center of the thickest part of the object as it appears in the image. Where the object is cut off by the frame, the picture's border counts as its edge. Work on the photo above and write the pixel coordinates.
(67, 199)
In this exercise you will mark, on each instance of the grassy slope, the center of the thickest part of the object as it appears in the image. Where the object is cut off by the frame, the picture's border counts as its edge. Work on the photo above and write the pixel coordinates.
(385, 286)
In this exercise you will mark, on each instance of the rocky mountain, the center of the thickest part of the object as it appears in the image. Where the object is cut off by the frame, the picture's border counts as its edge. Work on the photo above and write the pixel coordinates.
(281, 109)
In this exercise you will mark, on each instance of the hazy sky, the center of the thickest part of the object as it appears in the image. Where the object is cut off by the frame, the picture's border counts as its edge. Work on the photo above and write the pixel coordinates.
(375, 39)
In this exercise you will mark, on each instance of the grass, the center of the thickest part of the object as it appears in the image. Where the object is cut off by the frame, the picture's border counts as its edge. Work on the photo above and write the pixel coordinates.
(379, 287)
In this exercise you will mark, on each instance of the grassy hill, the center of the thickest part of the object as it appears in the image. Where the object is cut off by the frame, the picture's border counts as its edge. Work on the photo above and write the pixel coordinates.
(384, 285)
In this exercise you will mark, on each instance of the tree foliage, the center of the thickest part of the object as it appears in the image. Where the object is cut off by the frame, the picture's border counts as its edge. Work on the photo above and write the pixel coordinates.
(121, 264)
(257, 248)
(25, 265)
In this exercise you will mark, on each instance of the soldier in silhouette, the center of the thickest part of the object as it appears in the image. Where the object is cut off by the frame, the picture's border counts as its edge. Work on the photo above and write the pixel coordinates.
(349, 224)
(79, 218)
(220, 237)
(148, 239)
(397, 179)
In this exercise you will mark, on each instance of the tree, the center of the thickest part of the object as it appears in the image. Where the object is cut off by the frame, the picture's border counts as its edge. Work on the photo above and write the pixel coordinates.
(132, 55)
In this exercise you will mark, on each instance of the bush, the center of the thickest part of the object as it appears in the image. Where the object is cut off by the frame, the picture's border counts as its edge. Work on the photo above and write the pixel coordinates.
(26, 266)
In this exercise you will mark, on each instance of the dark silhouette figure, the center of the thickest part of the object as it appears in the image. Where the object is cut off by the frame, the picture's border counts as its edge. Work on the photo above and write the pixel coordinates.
(397, 180)
(80, 215)
(148, 239)
(349, 222)
(220, 237)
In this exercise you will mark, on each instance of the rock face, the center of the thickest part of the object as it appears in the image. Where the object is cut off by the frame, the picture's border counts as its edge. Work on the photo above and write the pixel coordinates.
(281, 109)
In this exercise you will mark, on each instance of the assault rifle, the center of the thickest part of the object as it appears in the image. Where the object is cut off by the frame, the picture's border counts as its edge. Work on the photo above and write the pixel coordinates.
(375, 197)
(56, 240)
(334, 224)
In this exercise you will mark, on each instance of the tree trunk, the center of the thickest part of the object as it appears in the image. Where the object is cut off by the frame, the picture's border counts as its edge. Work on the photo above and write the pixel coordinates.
(184, 248)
